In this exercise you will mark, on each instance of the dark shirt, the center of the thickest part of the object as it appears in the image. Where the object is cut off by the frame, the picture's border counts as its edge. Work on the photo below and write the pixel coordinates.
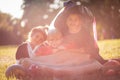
(22, 51)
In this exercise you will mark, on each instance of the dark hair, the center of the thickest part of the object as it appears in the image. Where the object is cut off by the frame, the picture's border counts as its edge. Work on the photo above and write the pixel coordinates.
(39, 29)
(72, 8)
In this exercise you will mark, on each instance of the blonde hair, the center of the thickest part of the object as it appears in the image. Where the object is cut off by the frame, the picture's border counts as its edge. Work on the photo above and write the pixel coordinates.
(55, 34)
(40, 29)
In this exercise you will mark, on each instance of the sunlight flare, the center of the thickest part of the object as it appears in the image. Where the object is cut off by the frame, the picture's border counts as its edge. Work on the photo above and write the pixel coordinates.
(12, 7)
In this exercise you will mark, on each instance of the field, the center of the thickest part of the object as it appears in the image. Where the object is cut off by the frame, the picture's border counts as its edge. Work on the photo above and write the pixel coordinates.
(108, 49)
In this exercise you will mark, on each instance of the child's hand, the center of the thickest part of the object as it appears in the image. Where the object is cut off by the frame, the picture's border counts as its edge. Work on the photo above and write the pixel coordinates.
(25, 62)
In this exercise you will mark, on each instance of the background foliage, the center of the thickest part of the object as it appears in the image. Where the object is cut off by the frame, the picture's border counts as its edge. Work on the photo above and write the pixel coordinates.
(42, 12)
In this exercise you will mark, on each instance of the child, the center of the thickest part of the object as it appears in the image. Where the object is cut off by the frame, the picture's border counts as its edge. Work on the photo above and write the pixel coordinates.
(53, 43)
(72, 22)
(27, 50)
(37, 36)
(55, 40)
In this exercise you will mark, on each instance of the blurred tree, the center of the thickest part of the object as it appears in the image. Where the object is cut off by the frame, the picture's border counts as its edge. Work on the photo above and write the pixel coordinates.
(107, 13)
(4, 21)
(38, 12)
(42, 12)
(8, 34)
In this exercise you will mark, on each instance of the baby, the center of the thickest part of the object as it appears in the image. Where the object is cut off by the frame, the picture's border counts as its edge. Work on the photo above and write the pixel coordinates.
(52, 45)
(55, 40)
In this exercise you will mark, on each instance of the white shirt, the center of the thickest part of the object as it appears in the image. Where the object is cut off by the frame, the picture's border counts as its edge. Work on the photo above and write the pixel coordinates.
(31, 51)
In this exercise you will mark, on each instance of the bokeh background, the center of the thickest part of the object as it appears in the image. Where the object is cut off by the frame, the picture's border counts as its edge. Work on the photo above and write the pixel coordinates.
(14, 30)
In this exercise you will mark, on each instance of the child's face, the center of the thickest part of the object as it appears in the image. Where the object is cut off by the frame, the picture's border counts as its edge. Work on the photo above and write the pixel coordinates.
(37, 38)
(74, 23)
(54, 39)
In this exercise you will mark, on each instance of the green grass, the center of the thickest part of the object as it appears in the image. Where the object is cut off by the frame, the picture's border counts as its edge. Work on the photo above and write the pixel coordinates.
(7, 57)
(108, 49)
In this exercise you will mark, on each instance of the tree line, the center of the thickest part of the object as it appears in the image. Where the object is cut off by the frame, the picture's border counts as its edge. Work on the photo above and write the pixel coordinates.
(42, 12)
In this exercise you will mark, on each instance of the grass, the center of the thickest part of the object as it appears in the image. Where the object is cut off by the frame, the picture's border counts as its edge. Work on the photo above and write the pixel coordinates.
(7, 57)
(108, 49)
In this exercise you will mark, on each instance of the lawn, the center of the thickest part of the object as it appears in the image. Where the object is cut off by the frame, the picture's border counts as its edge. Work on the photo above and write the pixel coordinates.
(108, 49)
(7, 57)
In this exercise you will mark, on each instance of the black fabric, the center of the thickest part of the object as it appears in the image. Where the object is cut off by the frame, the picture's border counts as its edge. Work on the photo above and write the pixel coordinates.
(22, 51)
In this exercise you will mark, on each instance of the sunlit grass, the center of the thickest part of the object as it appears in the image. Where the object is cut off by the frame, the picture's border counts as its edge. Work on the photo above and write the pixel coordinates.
(108, 49)
(7, 57)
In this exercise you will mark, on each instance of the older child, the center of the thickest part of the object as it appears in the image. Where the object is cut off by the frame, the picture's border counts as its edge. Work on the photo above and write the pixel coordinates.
(73, 21)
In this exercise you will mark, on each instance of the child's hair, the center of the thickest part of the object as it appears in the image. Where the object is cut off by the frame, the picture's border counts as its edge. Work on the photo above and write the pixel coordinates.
(55, 34)
(71, 7)
(54, 38)
(40, 29)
